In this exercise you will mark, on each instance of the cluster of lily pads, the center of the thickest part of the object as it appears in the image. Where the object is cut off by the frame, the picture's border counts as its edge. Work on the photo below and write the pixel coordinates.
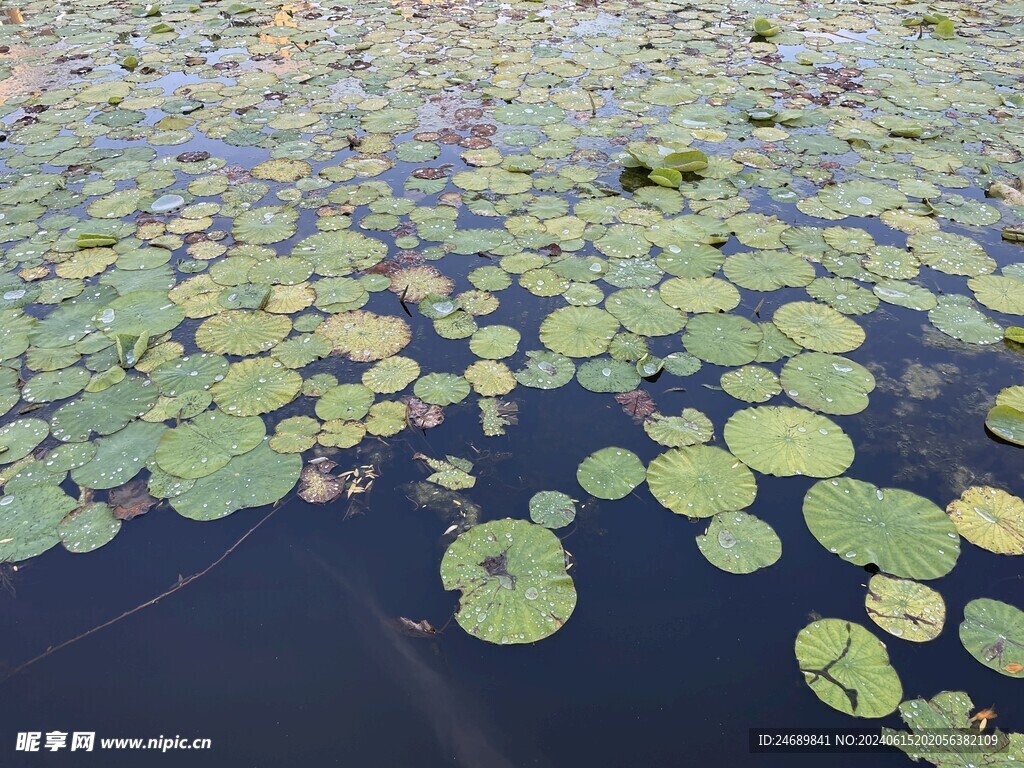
(213, 210)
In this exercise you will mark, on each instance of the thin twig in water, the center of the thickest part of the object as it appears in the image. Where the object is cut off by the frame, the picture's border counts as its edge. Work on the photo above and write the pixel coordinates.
(182, 582)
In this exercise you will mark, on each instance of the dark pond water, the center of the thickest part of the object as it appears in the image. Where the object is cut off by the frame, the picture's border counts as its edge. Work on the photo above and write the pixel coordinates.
(284, 653)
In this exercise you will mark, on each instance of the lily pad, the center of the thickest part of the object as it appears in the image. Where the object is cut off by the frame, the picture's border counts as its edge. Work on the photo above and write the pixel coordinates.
(993, 633)
(903, 534)
(990, 518)
(29, 521)
(818, 327)
(253, 479)
(611, 473)
(827, 383)
(206, 443)
(904, 608)
(722, 339)
(848, 668)
(701, 481)
(738, 542)
(365, 336)
(254, 386)
(552, 509)
(784, 441)
(514, 585)
(578, 331)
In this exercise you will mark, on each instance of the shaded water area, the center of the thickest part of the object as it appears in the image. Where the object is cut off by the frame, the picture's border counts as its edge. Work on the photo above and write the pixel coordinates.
(287, 650)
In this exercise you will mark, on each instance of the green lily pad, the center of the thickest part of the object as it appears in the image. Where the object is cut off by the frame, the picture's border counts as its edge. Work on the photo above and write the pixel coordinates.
(390, 375)
(607, 376)
(206, 443)
(441, 389)
(768, 270)
(818, 327)
(49, 386)
(956, 316)
(252, 479)
(701, 481)
(545, 370)
(254, 386)
(784, 441)
(691, 427)
(990, 518)
(827, 383)
(848, 668)
(993, 633)
(738, 542)
(103, 412)
(348, 402)
(191, 373)
(451, 472)
(19, 438)
(700, 294)
(514, 585)
(29, 521)
(611, 473)
(904, 608)
(642, 311)
(88, 528)
(1006, 422)
(120, 456)
(552, 509)
(242, 332)
(365, 336)
(494, 342)
(578, 331)
(722, 339)
(902, 533)
(751, 383)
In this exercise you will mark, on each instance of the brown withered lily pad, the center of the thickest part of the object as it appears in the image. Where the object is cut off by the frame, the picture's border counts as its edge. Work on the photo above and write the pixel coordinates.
(130, 500)
(316, 483)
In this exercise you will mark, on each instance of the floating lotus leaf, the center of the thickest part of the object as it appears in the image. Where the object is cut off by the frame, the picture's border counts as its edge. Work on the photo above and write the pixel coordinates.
(611, 473)
(103, 412)
(1003, 294)
(861, 198)
(442, 388)
(950, 712)
(242, 332)
(578, 331)
(689, 428)
(643, 312)
(282, 169)
(894, 263)
(265, 225)
(189, 374)
(818, 327)
(787, 441)
(364, 336)
(19, 438)
(993, 633)
(990, 518)
(701, 481)
(681, 364)
(417, 282)
(739, 543)
(452, 472)
(900, 532)
(513, 581)
(768, 270)
(827, 383)
(552, 509)
(545, 370)
(496, 414)
(751, 383)
(700, 294)
(691, 260)
(120, 456)
(843, 295)
(490, 378)
(49, 386)
(1006, 422)
(392, 374)
(348, 402)
(957, 317)
(607, 376)
(88, 528)
(29, 521)
(494, 342)
(848, 668)
(722, 339)
(138, 313)
(905, 295)
(458, 325)
(200, 447)
(387, 418)
(952, 254)
(294, 435)
(252, 479)
(255, 386)
(904, 608)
